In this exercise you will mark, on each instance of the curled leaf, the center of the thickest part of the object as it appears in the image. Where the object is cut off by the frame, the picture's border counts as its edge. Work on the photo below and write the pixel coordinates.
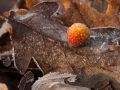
(26, 79)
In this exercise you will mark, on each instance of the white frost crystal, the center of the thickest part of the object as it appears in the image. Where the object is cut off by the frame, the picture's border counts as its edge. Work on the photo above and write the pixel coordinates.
(55, 81)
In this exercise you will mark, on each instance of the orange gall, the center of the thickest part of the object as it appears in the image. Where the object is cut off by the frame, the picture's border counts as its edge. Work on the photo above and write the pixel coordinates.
(78, 34)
